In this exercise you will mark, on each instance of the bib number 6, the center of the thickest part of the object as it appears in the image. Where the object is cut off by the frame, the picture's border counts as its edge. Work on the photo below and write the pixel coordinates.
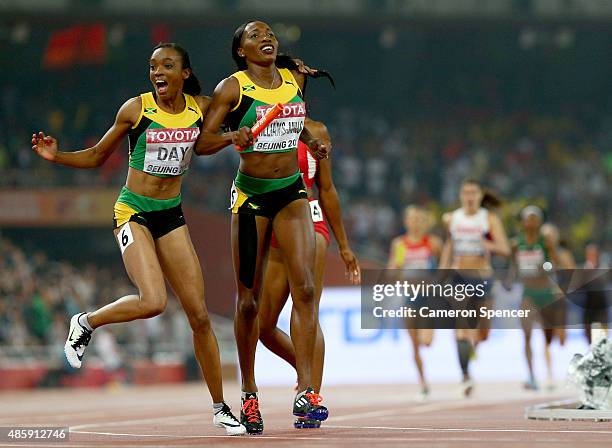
(125, 237)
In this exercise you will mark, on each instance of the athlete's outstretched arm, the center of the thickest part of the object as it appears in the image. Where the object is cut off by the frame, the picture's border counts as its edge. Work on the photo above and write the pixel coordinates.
(210, 141)
(48, 148)
(328, 195)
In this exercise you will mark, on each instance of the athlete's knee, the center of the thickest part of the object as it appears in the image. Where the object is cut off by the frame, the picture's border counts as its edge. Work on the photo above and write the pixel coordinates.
(247, 306)
(200, 322)
(152, 304)
(304, 292)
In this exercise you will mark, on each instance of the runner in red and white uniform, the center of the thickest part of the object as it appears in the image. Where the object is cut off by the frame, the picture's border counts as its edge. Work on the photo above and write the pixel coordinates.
(275, 288)
(414, 255)
(474, 233)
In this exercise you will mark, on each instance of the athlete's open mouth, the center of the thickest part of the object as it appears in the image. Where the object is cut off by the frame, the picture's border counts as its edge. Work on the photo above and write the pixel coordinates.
(267, 49)
(162, 86)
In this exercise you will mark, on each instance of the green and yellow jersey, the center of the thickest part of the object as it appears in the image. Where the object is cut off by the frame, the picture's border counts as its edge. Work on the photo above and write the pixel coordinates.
(161, 143)
(283, 133)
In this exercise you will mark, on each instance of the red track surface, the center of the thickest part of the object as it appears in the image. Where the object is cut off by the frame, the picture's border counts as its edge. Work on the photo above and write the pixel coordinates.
(360, 416)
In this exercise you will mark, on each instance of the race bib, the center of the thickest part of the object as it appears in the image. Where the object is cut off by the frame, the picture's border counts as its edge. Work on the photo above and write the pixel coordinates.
(315, 211)
(530, 261)
(284, 131)
(469, 245)
(125, 237)
(233, 196)
(169, 150)
(418, 258)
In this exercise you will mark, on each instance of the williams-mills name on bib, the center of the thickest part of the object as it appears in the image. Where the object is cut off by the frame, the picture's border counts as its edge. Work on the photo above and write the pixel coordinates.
(284, 131)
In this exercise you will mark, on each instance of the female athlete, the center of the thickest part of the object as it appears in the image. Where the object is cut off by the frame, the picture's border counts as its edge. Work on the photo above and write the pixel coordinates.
(474, 233)
(162, 127)
(534, 255)
(268, 193)
(415, 254)
(275, 289)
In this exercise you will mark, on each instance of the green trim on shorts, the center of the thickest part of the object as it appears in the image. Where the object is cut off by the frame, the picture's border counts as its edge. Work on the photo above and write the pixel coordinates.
(257, 185)
(540, 297)
(146, 204)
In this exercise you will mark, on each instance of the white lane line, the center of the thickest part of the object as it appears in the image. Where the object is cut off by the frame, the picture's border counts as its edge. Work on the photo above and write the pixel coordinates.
(534, 431)
(255, 438)
(136, 421)
(59, 417)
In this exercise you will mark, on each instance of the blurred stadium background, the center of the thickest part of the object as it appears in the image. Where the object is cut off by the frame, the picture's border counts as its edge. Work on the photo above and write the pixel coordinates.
(516, 93)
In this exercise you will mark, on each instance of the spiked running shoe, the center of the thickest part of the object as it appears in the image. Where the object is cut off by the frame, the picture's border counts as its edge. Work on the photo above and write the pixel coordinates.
(225, 419)
(78, 339)
(250, 416)
(306, 405)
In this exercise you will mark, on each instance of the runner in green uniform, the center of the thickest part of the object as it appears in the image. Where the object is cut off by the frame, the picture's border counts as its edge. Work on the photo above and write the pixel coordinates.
(268, 193)
(533, 256)
(162, 127)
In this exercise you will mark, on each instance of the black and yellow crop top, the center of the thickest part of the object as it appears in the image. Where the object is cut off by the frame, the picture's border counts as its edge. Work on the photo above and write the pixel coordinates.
(161, 143)
(283, 133)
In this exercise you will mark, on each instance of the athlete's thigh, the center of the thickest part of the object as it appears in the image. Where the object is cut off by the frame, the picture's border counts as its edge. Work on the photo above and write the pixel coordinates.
(274, 289)
(295, 235)
(139, 257)
(250, 244)
(181, 267)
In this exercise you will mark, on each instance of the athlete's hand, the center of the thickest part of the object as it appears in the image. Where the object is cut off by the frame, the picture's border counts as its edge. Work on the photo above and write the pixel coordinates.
(45, 146)
(488, 245)
(242, 138)
(303, 68)
(353, 271)
(319, 148)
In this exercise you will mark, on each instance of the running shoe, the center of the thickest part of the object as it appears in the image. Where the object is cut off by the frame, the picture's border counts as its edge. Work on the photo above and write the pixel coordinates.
(224, 418)
(307, 405)
(423, 394)
(78, 339)
(250, 416)
(467, 387)
(531, 384)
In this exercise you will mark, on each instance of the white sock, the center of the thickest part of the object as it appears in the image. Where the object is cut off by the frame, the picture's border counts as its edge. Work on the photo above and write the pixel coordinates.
(217, 407)
(84, 322)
